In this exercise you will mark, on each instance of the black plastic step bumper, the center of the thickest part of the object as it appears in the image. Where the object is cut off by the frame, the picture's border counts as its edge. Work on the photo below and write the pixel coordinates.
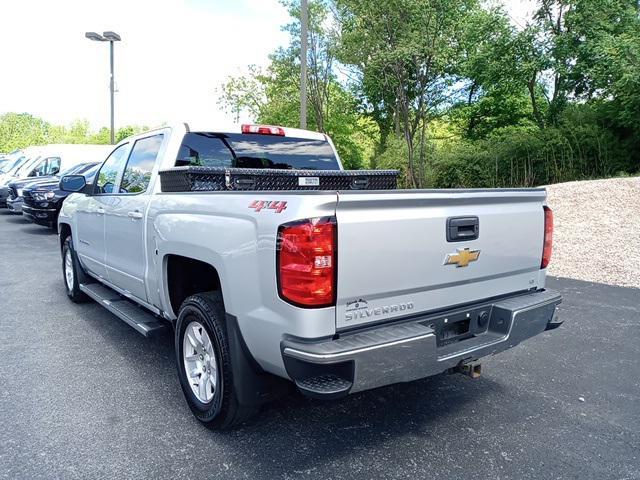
(417, 348)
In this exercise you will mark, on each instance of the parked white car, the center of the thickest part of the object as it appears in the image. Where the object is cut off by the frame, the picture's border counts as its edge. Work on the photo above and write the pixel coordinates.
(47, 160)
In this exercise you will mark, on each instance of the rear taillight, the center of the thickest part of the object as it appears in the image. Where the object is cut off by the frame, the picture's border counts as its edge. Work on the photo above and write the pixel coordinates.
(306, 262)
(263, 130)
(547, 245)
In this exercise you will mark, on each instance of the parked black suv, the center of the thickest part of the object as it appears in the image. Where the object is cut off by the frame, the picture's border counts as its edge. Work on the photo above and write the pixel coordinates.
(42, 201)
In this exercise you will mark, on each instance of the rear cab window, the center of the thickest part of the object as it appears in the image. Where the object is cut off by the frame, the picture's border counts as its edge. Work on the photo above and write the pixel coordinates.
(241, 150)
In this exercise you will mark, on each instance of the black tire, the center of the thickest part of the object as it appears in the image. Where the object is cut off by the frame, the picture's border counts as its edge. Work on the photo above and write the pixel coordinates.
(79, 275)
(223, 411)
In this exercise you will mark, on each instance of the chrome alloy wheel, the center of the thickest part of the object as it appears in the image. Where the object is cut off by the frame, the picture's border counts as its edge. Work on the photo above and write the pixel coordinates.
(199, 362)
(68, 269)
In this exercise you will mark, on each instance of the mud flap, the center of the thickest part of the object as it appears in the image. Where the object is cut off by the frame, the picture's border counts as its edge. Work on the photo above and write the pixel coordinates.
(253, 385)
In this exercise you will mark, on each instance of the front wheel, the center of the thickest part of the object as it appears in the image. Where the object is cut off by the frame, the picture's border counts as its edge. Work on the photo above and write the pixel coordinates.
(72, 272)
(204, 362)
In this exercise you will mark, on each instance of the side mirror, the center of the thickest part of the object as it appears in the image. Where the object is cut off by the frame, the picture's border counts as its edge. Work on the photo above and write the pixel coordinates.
(73, 183)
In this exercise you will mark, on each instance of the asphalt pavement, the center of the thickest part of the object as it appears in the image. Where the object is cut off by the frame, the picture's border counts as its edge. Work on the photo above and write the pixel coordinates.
(82, 395)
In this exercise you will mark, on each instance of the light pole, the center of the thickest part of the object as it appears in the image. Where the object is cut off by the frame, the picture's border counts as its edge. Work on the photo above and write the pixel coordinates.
(107, 37)
(304, 18)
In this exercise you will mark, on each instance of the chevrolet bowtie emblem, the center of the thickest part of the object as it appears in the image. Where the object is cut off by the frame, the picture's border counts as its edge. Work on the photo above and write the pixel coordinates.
(462, 258)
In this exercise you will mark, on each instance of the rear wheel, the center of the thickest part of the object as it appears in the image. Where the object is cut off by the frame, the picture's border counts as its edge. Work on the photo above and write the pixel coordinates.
(204, 362)
(72, 272)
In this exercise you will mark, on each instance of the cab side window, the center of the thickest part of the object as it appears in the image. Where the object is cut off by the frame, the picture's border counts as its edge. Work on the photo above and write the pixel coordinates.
(39, 170)
(107, 178)
(49, 166)
(53, 165)
(141, 161)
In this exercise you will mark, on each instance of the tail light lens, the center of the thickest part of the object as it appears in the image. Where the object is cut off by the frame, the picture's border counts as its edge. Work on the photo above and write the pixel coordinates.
(548, 237)
(306, 262)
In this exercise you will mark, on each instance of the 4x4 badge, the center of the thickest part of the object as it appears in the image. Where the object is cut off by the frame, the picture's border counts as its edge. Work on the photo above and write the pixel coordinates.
(462, 258)
(276, 205)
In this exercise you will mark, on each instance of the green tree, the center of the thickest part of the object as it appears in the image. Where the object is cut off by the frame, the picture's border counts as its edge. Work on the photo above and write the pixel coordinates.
(243, 94)
(272, 96)
(604, 36)
(454, 94)
(407, 54)
(127, 131)
(19, 130)
(495, 95)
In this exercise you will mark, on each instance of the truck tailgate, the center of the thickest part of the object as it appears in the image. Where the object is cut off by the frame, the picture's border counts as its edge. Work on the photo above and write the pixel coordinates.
(393, 250)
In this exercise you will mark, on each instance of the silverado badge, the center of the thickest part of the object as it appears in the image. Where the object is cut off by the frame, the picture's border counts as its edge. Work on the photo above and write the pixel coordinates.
(462, 258)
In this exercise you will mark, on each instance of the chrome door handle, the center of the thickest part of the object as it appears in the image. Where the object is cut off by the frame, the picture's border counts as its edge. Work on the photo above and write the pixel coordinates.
(135, 215)
(100, 211)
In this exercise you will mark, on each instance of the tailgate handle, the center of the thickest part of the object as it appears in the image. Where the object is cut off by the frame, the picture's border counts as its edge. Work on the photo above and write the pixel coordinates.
(460, 229)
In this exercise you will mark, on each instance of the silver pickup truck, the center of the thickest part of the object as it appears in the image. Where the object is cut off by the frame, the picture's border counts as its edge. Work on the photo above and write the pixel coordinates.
(297, 272)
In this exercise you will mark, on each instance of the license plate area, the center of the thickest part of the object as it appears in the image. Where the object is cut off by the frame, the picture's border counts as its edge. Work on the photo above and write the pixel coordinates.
(460, 325)
(455, 329)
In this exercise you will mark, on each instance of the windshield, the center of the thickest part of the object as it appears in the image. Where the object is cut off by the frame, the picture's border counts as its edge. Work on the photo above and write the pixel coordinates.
(23, 168)
(91, 172)
(13, 164)
(255, 151)
(79, 169)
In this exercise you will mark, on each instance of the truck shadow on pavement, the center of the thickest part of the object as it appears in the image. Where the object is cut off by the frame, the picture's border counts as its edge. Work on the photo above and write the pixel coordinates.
(294, 433)
(15, 218)
(33, 229)
(29, 227)
(531, 415)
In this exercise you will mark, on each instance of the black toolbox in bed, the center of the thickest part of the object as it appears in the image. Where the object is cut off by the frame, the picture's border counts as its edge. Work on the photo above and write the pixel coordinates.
(206, 179)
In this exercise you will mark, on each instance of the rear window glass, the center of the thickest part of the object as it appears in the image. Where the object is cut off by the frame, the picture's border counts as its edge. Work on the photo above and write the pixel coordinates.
(255, 151)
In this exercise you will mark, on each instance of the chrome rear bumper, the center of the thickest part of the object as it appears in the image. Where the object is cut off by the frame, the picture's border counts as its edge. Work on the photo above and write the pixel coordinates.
(415, 348)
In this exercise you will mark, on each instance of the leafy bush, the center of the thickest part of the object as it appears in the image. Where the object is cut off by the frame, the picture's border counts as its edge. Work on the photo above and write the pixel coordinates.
(580, 147)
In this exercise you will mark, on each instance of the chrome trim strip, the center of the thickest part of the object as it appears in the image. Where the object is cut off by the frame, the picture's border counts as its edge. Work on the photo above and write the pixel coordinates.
(292, 352)
(26, 207)
(457, 283)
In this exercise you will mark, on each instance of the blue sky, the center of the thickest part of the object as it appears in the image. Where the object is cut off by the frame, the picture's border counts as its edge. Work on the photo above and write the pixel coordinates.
(173, 56)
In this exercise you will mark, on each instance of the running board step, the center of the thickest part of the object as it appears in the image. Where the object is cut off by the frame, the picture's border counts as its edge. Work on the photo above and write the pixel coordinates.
(127, 311)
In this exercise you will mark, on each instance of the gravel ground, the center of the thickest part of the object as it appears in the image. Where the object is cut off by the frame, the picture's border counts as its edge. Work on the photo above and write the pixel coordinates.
(597, 230)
